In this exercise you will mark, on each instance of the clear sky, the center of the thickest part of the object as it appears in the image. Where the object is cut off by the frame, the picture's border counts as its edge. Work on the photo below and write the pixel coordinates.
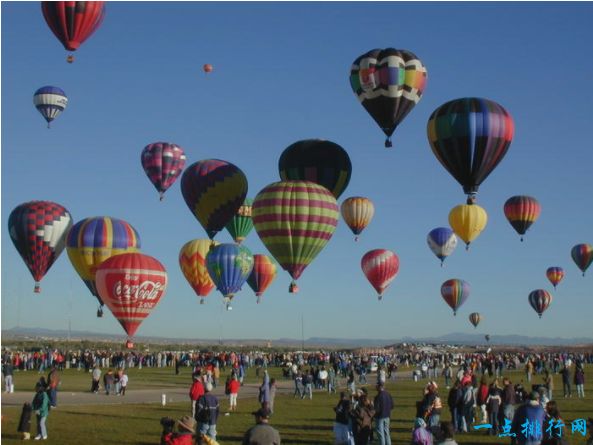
(280, 75)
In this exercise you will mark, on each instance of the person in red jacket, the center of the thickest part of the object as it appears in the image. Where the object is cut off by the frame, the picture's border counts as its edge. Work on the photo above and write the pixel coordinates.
(186, 427)
(195, 392)
(481, 398)
(233, 389)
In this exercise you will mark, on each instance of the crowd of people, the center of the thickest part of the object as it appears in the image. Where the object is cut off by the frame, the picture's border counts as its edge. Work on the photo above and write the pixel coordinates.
(479, 394)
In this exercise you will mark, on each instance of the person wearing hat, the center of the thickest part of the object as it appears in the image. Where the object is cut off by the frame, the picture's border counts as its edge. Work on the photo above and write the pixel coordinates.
(531, 413)
(262, 433)
(207, 411)
(186, 427)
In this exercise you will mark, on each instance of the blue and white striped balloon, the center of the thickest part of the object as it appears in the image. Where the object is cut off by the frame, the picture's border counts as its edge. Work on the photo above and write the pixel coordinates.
(442, 241)
(50, 102)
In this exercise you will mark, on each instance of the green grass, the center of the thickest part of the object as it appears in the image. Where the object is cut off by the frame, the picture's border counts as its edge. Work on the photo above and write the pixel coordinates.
(299, 421)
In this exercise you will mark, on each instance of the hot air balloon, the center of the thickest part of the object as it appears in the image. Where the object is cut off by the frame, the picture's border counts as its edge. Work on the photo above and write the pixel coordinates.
(455, 292)
(38, 231)
(582, 255)
(468, 221)
(442, 241)
(389, 83)
(469, 137)
(73, 22)
(229, 265)
(475, 318)
(192, 260)
(93, 240)
(358, 213)
(295, 220)
(380, 266)
(487, 337)
(213, 190)
(319, 161)
(555, 275)
(262, 275)
(241, 223)
(208, 68)
(50, 102)
(540, 301)
(131, 285)
(163, 163)
(522, 212)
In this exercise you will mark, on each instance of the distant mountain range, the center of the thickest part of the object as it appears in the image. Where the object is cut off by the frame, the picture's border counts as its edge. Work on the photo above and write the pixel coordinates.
(22, 333)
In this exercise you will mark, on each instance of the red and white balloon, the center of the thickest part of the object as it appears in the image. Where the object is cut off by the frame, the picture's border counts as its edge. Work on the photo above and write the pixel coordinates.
(380, 266)
(131, 285)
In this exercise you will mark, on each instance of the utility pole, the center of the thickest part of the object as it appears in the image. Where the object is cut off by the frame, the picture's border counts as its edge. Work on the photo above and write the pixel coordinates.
(302, 333)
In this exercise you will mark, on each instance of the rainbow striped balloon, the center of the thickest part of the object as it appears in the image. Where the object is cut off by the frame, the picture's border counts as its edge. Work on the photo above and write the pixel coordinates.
(540, 300)
(93, 240)
(555, 274)
(295, 220)
(582, 255)
(522, 211)
(455, 292)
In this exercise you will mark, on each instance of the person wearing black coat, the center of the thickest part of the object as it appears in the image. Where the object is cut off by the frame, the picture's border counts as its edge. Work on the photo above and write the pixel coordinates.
(24, 426)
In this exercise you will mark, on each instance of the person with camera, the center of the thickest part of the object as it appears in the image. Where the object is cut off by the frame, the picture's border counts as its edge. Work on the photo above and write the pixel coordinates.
(186, 428)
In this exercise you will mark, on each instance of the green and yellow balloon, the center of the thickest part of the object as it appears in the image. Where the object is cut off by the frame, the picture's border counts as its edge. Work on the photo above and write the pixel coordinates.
(242, 223)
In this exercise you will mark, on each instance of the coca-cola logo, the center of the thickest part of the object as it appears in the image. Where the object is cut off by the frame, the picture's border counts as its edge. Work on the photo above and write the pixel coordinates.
(144, 291)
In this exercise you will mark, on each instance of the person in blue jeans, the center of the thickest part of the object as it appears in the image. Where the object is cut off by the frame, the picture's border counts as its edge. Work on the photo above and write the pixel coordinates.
(383, 403)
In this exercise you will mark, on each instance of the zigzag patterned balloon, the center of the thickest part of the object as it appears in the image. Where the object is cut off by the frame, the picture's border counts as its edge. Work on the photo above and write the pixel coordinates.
(213, 190)
(192, 261)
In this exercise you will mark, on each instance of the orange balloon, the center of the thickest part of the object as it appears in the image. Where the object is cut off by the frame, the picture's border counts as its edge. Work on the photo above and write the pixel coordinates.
(208, 68)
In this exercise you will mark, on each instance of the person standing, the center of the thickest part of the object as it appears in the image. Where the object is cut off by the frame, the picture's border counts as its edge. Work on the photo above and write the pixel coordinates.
(508, 401)
(96, 379)
(195, 392)
(53, 381)
(549, 382)
(8, 371)
(579, 380)
(529, 370)
(207, 410)
(298, 385)
(264, 391)
(108, 380)
(273, 389)
(234, 386)
(123, 383)
(40, 406)
(362, 416)
(342, 426)
(262, 433)
(530, 413)
(566, 381)
(383, 404)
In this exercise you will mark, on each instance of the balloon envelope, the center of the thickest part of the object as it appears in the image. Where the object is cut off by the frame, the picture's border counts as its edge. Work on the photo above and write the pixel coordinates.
(73, 22)
(475, 318)
(388, 83)
(322, 162)
(229, 265)
(468, 221)
(131, 285)
(93, 240)
(380, 266)
(469, 137)
(295, 220)
(38, 231)
(241, 223)
(455, 292)
(192, 261)
(163, 163)
(540, 300)
(263, 273)
(582, 255)
(521, 212)
(213, 190)
(442, 241)
(50, 102)
(357, 212)
(555, 274)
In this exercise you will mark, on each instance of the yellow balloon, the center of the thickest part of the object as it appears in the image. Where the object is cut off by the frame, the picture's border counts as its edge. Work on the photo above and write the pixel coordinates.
(468, 221)
(192, 261)
(357, 212)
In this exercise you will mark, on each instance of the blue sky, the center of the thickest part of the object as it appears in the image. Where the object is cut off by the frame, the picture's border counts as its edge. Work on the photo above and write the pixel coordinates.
(280, 75)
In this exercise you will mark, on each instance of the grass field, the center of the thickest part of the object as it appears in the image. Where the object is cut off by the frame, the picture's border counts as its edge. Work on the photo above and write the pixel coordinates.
(299, 421)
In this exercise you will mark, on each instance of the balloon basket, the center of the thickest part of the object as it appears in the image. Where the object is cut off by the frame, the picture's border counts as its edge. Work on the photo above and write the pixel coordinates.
(37, 288)
(258, 300)
(388, 143)
(356, 239)
(100, 313)
(70, 58)
(201, 301)
(161, 196)
(379, 297)
(129, 344)
(293, 288)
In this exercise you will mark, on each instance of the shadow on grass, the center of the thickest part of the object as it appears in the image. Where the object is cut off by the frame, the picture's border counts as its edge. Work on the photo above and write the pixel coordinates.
(304, 427)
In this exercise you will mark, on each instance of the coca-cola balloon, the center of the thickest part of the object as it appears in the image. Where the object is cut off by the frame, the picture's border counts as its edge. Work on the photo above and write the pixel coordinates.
(131, 285)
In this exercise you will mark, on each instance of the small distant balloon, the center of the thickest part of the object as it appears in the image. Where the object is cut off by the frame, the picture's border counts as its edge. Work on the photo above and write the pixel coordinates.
(50, 102)
(163, 163)
(540, 301)
(582, 255)
(475, 318)
(208, 68)
(555, 274)
(357, 212)
(487, 337)
(455, 292)
(522, 212)
(442, 241)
